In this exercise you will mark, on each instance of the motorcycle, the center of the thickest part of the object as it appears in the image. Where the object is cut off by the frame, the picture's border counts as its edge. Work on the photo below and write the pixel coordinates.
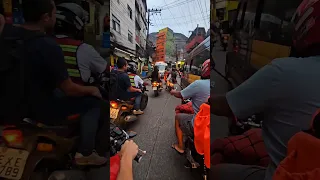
(117, 138)
(32, 150)
(224, 40)
(194, 161)
(121, 111)
(169, 85)
(239, 126)
(156, 88)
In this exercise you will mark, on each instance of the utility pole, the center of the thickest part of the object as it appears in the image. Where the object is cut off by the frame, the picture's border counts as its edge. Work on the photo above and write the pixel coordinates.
(176, 52)
(154, 11)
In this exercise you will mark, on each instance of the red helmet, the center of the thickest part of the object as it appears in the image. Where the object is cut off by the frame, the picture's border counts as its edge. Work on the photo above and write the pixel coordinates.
(205, 68)
(306, 24)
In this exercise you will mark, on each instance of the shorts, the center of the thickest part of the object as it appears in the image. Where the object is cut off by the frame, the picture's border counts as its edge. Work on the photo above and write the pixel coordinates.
(185, 123)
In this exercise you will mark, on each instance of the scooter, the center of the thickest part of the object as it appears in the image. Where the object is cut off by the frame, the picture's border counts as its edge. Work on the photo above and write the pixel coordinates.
(156, 88)
(169, 85)
(121, 111)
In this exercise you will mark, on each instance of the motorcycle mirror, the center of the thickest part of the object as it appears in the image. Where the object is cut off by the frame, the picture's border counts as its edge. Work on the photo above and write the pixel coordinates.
(132, 134)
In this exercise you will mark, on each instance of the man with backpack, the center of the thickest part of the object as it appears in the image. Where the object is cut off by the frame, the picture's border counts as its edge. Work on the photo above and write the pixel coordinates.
(33, 83)
(121, 88)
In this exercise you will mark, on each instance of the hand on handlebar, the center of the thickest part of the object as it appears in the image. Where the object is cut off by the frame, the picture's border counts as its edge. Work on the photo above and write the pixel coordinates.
(95, 92)
(129, 149)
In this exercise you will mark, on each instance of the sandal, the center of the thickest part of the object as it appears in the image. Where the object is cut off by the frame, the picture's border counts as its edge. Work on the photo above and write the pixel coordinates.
(174, 146)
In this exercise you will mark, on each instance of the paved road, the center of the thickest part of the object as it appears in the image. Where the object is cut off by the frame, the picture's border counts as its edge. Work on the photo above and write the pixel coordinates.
(156, 133)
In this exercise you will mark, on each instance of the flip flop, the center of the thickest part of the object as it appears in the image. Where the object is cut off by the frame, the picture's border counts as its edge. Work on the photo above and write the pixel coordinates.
(173, 146)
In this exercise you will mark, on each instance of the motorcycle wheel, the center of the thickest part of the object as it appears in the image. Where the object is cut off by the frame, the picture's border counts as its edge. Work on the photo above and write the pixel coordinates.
(144, 101)
(156, 93)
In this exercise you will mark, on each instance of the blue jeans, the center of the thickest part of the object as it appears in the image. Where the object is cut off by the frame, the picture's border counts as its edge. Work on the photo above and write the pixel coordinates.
(94, 120)
(137, 96)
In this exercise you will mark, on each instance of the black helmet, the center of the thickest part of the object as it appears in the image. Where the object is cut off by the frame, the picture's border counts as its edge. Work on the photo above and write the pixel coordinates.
(132, 67)
(71, 15)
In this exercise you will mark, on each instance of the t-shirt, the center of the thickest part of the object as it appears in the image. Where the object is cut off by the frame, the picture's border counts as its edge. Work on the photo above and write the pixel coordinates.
(123, 85)
(138, 81)
(199, 92)
(287, 92)
(89, 60)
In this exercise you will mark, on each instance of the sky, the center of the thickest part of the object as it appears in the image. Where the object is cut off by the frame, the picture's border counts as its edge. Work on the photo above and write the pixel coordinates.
(181, 16)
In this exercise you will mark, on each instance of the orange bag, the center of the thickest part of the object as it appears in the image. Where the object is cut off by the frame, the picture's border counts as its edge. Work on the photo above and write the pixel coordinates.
(202, 133)
(303, 160)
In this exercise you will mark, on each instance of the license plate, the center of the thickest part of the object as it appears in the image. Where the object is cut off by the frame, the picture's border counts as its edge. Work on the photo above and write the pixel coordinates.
(154, 88)
(12, 162)
(114, 113)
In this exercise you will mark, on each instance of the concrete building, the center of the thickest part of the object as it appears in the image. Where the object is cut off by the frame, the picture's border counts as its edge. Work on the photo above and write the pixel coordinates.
(197, 36)
(165, 47)
(122, 20)
(140, 27)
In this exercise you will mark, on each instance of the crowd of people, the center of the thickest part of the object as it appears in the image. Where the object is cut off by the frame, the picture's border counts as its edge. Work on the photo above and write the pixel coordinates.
(60, 65)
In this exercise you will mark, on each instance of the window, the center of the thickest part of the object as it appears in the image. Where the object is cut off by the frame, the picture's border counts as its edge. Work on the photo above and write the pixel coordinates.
(250, 15)
(240, 16)
(275, 22)
(116, 24)
(130, 12)
(130, 36)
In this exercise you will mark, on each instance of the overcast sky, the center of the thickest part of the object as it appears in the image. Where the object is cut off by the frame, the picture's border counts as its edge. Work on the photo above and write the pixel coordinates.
(180, 15)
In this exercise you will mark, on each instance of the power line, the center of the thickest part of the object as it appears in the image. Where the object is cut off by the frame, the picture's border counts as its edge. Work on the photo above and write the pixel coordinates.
(201, 12)
(171, 13)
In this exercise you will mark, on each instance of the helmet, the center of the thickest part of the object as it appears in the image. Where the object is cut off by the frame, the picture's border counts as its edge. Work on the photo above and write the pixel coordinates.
(132, 67)
(71, 15)
(205, 70)
(306, 24)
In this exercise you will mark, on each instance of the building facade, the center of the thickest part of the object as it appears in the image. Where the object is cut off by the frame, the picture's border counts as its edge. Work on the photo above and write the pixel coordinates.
(122, 20)
(140, 27)
(197, 36)
(165, 46)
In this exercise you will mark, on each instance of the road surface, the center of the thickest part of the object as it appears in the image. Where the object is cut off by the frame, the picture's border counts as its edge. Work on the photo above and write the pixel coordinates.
(156, 133)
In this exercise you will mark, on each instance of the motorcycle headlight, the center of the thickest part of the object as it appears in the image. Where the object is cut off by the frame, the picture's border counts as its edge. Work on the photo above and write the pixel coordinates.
(114, 104)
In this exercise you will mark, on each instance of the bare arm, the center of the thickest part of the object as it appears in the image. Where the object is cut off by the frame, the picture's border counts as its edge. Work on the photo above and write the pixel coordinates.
(176, 94)
(125, 172)
(132, 89)
(73, 89)
(219, 106)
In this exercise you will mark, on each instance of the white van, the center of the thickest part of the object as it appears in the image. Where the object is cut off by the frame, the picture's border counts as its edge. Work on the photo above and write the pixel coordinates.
(162, 67)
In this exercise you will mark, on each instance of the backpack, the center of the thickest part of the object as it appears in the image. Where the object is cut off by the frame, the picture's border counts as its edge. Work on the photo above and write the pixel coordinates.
(14, 73)
(302, 161)
(113, 80)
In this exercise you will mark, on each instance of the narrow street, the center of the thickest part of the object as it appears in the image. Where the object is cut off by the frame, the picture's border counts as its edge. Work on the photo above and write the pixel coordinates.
(156, 133)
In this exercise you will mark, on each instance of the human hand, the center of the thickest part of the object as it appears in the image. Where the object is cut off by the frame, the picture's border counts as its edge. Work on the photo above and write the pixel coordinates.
(172, 92)
(95, 92)
(139, 90)
(129, 149)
